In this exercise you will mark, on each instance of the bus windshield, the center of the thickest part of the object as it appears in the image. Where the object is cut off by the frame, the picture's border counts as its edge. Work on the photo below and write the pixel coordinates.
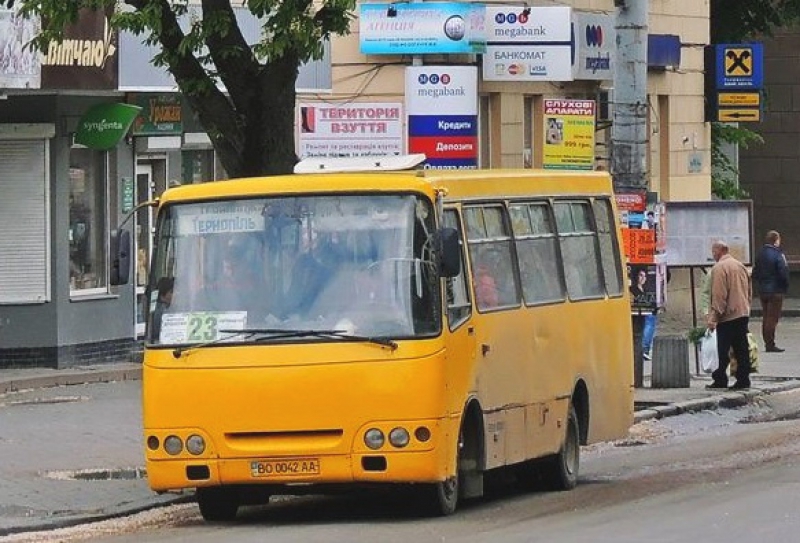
(354, 264)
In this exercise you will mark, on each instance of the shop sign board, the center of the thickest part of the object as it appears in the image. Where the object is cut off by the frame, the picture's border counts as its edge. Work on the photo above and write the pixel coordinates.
(528, 44)
(442, 107)
(419, 28)
(350, 129)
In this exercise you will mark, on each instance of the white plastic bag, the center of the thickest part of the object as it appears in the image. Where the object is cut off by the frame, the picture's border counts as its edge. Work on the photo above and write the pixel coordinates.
(709, 360)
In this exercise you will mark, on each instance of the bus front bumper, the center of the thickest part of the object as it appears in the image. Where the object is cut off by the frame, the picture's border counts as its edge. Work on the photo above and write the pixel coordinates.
(379, 467)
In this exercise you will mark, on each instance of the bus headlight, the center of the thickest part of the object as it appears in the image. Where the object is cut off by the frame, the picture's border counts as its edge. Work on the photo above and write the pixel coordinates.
(399, 437)
(195, 445)
(173, 445)
(374, 439)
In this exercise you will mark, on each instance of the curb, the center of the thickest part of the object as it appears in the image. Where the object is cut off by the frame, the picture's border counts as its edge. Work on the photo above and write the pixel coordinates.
(76, 378)
(111, 513)
(727, 400)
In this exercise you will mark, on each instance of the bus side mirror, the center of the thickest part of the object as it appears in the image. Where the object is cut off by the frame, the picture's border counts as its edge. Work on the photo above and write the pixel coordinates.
(450, 251)
(120, 257)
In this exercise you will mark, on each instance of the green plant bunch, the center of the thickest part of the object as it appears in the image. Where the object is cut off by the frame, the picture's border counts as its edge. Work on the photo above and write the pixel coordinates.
(696, 334)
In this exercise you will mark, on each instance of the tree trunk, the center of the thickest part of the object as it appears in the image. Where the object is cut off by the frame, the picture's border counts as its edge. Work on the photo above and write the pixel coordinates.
(268, 125)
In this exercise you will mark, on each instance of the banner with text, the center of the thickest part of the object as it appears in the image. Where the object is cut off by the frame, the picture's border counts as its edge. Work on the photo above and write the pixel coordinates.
(528, 44)
(350, 129)
(442, 106)
(569, 134)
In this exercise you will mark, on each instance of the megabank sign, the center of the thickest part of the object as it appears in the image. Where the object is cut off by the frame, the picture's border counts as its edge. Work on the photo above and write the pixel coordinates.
(595, 38)
(442, 108)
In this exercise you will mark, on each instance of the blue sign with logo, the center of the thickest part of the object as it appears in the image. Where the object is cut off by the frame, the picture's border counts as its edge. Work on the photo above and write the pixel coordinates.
(739, 66)
(421, 28)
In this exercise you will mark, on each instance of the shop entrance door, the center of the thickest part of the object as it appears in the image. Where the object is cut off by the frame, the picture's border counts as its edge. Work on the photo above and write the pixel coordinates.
(150, 181)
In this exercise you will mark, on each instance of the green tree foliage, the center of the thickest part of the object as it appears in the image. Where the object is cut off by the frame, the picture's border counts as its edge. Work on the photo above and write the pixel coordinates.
(733, 21)
(724, 173)
(251, 124)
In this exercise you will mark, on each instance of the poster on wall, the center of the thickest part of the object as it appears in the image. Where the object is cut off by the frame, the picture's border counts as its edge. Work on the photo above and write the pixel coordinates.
(350, 129)
(643, 228)
(20, 66)
(569, 134)
(442, 106)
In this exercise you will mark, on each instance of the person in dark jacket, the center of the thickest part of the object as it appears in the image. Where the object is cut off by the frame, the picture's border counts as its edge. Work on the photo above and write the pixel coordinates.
(771, 274)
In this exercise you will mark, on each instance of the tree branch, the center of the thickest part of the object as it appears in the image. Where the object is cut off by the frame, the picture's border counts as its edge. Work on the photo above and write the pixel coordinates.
(211, 105)
(236, 65)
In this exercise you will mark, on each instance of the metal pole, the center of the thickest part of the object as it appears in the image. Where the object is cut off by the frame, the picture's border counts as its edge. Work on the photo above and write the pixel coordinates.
(629, 128)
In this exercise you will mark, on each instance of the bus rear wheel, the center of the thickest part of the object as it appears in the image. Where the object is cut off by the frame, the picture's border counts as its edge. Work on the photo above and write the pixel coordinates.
(560, 471)
(217, 504)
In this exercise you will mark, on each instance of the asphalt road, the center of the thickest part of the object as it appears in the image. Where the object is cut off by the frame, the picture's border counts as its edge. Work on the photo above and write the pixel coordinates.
(721, 476)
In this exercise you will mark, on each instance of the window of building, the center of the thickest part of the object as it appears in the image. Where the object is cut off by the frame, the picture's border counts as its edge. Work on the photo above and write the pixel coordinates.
(197, 166)
(88, 220)
(490, 252)
(541, 273)
(579, 249)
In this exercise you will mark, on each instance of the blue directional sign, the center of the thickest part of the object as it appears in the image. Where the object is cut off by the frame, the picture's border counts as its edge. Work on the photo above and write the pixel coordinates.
(739, 66)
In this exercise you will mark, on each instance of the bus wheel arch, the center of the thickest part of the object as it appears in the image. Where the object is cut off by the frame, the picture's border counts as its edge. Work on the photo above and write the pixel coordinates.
(580, 402)
(472, 451)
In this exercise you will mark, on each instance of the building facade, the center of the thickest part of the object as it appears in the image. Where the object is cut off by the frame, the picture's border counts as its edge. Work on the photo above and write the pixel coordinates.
(62, 199)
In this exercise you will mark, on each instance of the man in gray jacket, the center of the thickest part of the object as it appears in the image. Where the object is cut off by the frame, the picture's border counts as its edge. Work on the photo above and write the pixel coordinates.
(771, 274)
(729, 314)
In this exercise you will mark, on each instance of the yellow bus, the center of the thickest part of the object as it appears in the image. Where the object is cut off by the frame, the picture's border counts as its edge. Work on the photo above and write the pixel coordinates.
(420, 328)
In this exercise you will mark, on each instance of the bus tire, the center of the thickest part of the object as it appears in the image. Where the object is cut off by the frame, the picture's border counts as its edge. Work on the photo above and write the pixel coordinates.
(560, 471)
(441, 498)
(217, 504)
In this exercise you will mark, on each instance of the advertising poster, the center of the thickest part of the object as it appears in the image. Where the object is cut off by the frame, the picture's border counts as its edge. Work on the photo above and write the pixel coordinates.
(569, 134)
(20, 67)
(442, 106)
(421, 28)
(350, 129)
(643, 227)
(642, 280)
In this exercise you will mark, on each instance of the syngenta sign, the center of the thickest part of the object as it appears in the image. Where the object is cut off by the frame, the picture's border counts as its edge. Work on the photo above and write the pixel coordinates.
(104, 125)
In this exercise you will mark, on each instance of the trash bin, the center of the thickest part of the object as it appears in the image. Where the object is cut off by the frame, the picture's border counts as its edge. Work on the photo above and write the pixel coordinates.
(670, 362)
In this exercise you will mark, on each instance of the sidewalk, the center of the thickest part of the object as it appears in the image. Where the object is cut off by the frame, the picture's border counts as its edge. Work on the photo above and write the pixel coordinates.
(31, 500)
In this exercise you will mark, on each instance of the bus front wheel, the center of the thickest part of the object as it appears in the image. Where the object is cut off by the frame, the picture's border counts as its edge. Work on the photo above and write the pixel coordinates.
(560, 471)
(217, 504)
(442, 497)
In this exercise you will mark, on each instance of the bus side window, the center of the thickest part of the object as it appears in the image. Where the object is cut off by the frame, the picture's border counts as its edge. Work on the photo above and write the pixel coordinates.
(541, 272)
(459, 306)
(609, 246)
(579, 249)
(494, 274)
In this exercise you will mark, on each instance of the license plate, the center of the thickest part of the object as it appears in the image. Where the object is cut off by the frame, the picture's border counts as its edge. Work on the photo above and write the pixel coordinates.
(282, 468)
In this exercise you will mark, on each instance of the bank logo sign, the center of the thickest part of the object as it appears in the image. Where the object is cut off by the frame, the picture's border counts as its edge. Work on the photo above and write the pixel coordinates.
(421, 28)
(528, 44)
(595, 38)
(442, 107)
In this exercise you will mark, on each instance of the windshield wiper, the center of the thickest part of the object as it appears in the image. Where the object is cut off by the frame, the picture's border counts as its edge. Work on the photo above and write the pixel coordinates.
(178, 351)
(278, 333)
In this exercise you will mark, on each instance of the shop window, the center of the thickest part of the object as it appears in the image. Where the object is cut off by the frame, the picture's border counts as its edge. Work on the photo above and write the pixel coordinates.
(88, 204)
(198, 166)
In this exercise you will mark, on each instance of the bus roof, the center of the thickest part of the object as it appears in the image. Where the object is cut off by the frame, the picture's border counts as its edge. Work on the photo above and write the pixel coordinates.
(459, 184)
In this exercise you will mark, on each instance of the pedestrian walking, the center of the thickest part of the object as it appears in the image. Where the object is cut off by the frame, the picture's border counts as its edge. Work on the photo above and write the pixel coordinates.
(771, 274)
(729, 315)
